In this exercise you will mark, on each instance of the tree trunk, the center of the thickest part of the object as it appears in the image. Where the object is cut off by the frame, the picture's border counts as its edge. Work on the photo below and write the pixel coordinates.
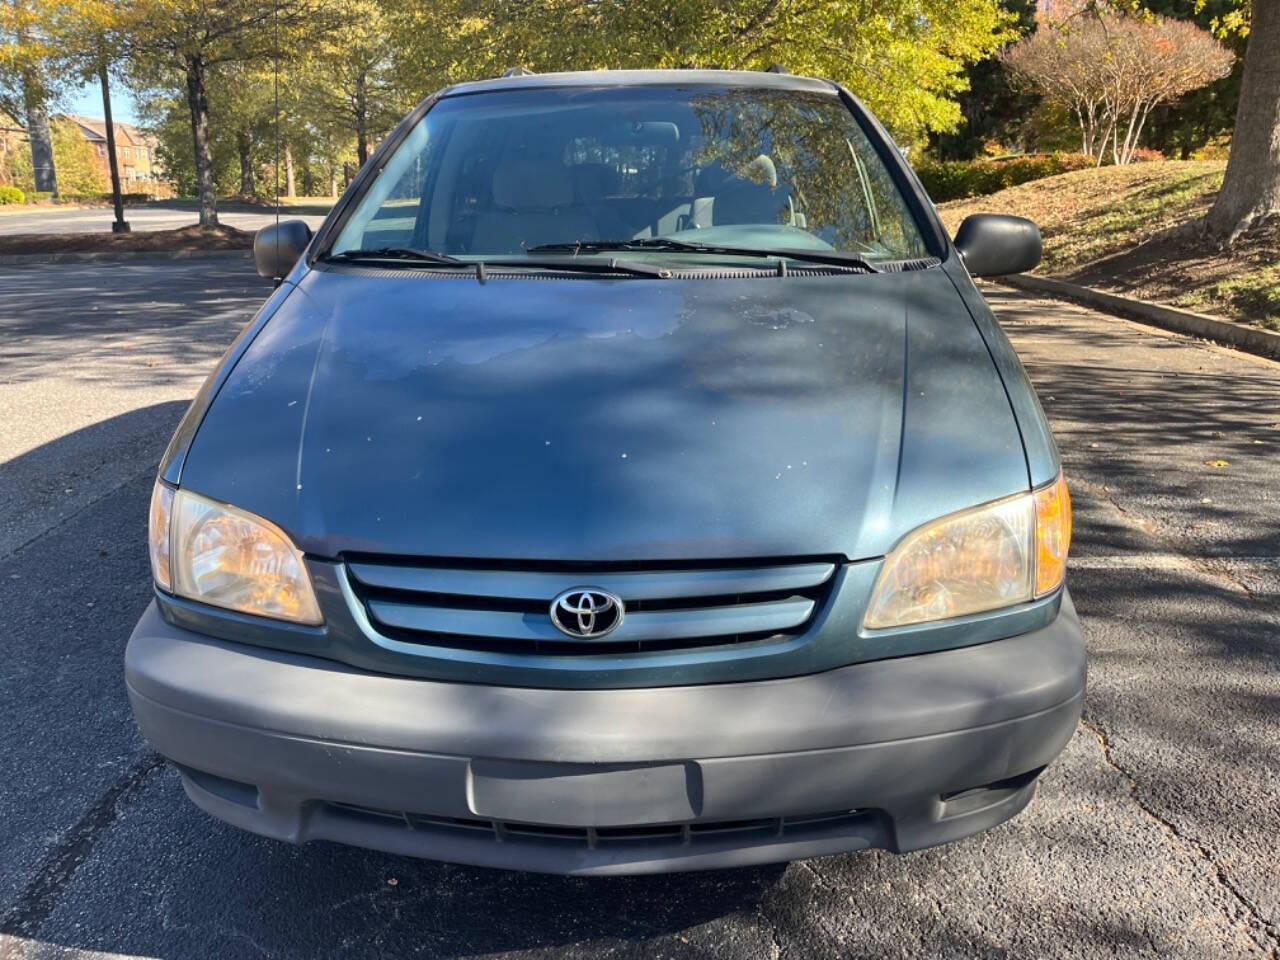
(244, 148)
(1130, 135)
(1251, 190)
(362, 118)
(43, 169)
(1137, 133)
(1086, 143)
(290, 187)
(1102, 146)
(198, 102)
(120, 226)
(42, 165)
(333, 181)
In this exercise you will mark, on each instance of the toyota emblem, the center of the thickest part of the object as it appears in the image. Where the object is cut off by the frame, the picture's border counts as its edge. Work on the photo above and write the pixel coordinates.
(586, 613)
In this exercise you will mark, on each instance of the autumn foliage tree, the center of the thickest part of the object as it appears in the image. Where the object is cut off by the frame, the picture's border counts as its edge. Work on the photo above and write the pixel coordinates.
(1110, 69)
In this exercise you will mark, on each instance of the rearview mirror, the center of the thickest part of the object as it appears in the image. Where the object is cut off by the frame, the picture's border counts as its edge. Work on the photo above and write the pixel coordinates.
(993, 244)
(277, 248)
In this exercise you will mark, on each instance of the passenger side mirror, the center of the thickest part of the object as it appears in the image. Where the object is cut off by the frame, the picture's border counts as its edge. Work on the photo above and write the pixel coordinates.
(277, 248)
(993, 244)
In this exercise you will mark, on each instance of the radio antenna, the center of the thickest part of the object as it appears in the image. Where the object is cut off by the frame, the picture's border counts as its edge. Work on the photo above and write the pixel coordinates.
(275, 83)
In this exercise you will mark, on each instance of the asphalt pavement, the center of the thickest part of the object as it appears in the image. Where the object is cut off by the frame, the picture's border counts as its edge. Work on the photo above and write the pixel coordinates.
(1154, 835)
(158, 216)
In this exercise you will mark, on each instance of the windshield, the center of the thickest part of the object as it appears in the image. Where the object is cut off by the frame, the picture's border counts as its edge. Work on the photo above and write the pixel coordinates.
(500, 174)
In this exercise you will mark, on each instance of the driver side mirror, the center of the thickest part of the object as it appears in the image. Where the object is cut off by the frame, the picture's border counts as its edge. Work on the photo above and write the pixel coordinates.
(276, 248)
(992, 244)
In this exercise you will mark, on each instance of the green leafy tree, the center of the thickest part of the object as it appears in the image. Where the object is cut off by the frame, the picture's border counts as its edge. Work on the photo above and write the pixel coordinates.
(166, 115)
(350, 77)
(83, 36)
(905, 58)
(171, 39)
(993, 106)
(27, 85)
(242, 100)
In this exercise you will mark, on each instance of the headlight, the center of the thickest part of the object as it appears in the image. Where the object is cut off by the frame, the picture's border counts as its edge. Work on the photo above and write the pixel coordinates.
(992, 556)
(229, 558)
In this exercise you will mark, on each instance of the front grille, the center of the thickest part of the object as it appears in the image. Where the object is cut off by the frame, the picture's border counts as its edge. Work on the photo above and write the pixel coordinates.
(505, 608)
(685, 834)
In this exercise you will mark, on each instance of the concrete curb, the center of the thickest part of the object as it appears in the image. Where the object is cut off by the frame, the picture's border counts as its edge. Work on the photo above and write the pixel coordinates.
(108, 256)
(1255, 340)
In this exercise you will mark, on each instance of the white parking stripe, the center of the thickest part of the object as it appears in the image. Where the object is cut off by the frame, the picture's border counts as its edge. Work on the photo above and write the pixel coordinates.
(1156, 561)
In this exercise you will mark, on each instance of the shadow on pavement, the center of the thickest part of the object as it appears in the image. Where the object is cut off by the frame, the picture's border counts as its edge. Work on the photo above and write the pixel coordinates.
(1150, 415)
(1182, 687)
(118, 322)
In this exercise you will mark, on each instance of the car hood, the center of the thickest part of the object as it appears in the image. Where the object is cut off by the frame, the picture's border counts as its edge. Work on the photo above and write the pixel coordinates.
(536, 418)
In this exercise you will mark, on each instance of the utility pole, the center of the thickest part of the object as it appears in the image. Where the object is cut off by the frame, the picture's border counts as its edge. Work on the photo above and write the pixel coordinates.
(120, 225)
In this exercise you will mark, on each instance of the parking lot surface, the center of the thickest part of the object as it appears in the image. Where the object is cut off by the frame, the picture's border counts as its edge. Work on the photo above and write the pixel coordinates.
(1154, 835)
(141, 217)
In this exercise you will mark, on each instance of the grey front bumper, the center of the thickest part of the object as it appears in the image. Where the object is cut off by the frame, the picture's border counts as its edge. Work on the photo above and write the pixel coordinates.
(899, 754)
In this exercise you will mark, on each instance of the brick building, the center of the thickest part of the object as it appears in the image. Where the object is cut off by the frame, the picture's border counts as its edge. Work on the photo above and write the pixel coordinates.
(140, 169)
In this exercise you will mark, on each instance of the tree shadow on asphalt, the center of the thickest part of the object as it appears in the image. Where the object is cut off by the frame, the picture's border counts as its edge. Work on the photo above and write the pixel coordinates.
(1155, 429)
(176, 883)
(110, 322)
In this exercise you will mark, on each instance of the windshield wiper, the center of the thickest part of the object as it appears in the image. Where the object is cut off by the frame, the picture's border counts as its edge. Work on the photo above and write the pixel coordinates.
(574, 265)
(398, 253)
(835, 257)
(430, 257)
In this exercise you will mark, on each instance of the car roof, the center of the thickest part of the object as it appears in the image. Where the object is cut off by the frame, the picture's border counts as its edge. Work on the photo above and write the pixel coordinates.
(639, 78)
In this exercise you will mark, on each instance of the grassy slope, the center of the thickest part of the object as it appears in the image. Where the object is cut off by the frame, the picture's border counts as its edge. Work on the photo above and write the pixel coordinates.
(1104, 228)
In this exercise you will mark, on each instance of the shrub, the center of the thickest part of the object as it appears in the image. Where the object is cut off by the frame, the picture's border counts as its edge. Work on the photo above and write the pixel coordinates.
(1145, 155)
(11, 195)
(39, 196)
(957, 179)
(125, 198)
(1216, 149)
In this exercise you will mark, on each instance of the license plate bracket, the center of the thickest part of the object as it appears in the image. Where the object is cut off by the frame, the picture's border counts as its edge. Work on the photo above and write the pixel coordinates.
(584, 794)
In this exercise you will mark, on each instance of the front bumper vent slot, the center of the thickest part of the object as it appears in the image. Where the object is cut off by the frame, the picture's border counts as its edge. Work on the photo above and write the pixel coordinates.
(686, 834)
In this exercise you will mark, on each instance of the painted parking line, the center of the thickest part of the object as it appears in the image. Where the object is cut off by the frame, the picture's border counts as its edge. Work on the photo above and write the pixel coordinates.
(1157, 561)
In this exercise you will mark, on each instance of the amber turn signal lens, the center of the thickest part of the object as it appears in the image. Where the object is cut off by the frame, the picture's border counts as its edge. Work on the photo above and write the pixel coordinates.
(1053, 535)
(158, 533)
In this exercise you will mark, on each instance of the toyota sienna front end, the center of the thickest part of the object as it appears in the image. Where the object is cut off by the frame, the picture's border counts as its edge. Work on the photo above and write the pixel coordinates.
(627, 477)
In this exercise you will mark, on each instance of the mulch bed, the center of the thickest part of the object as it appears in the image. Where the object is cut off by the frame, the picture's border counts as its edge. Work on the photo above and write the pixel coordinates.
(183, 240)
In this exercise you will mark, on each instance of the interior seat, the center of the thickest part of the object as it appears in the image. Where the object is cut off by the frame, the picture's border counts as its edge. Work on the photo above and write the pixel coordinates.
(595, 184)
(752, 196)
(533, 203)
(747, 202)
